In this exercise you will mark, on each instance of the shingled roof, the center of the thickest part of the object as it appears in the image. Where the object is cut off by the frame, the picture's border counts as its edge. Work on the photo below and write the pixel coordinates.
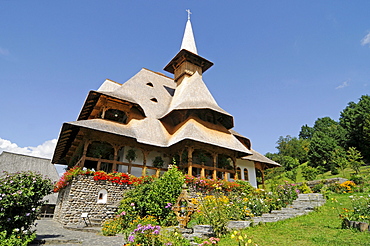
(257, 157)
(158, 97)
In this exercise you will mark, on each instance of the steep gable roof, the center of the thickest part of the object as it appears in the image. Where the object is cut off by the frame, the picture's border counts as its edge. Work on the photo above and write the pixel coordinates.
(192, 93)
(152, 91)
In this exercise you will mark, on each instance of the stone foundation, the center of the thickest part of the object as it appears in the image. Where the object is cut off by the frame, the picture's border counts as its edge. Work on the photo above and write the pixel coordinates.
(99, 199)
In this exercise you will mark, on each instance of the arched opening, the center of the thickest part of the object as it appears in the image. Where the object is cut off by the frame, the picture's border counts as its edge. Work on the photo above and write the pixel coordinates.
(102, 196)
(100, 150)
(246, 176)
(239, 172)
(202, 158)
(224, 162)
(116, 115)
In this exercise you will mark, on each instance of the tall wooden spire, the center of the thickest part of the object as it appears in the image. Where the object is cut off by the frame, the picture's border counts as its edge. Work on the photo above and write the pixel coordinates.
(187, 61)
(188, 41)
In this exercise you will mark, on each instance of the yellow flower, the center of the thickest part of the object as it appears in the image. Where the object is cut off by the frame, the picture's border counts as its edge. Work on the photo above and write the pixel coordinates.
(232, 236)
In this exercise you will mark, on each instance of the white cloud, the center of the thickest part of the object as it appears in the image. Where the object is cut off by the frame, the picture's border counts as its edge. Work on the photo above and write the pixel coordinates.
(4, 52)
(366, 40)
(344, 84)
(44, 150)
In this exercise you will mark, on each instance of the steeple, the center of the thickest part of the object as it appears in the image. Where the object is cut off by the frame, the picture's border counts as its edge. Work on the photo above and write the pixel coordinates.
(188, 41)
(187, 61)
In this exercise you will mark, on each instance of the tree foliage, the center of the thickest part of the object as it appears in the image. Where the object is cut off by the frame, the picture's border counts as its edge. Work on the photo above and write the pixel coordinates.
(354, 159)
(329, 144)
(355, 119)
(319, 153)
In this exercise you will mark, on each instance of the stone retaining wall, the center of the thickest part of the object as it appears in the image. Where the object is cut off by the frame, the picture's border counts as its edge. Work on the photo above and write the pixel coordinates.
(82, 196)
(313, 183)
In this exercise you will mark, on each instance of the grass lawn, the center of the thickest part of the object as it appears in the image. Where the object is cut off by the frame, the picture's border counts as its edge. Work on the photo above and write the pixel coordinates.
(321, 227)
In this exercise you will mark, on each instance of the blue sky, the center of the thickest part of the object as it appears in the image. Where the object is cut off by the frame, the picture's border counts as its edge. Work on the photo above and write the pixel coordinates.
(278, 64)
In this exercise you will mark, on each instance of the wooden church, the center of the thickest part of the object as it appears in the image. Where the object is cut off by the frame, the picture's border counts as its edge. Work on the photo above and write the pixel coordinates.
(151, 120)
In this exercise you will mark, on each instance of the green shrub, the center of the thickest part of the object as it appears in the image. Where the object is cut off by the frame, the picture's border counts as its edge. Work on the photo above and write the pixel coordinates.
(357, 179)
(309, 173)
(304, 188)
(20, 198)
(244, 187)
(16, 238)
(153, 199)
(317, 188)
(214, 210)
(334, 171)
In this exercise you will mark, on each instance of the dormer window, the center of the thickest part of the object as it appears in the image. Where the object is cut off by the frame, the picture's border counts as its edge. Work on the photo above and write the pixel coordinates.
(116, 115)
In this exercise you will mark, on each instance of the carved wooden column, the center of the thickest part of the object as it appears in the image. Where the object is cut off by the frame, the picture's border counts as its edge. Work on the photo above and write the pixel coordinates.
(202, 172)
(116, 150)
(234, 165)
(190, 161)
(86, 145)
(214, 175)
(145, 155)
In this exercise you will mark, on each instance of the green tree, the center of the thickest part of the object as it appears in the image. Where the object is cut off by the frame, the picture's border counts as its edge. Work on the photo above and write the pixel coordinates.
(354, 158)
(306, 132)
(293, 147)
(289, 163)
(339, 159)
(320, 149)
(331, 128)
(355, 119)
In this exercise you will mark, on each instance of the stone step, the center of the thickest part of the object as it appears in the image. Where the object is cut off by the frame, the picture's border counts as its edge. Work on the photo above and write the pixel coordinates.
(304, 204)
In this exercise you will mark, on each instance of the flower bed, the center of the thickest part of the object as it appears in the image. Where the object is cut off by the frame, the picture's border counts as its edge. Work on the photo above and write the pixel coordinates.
(115, 177)
(207, 185)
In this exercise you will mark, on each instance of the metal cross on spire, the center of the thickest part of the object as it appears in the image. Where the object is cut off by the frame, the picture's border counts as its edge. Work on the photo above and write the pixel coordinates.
(189, 13)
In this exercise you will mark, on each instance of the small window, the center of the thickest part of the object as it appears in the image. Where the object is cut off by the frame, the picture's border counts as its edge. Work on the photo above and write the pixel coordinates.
(246, 177)
(154, 99)
(149, 84)
(102, 196)
(115, 115)
(239, 173)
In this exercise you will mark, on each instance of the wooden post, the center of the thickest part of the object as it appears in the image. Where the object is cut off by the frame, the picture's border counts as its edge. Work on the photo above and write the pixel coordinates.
(145, 155)
(202, 172)
(234, 166)
(190, 161)
(114, 165)
(86, 145)
(157, 172)
(215, 165)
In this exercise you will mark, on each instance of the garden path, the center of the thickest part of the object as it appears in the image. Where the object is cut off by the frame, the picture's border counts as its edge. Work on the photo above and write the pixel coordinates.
(50, 232)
